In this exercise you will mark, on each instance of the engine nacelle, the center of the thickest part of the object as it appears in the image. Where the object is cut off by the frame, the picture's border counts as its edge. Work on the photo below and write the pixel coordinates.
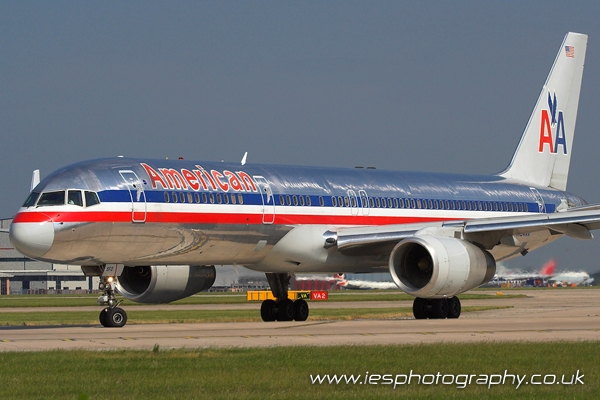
(434, 267)
(163, 284)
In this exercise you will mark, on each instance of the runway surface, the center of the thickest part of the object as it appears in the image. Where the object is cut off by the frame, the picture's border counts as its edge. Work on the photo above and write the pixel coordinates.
(545, 315)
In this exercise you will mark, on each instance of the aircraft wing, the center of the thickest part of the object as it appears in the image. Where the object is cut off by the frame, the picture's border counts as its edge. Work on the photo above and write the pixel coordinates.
(372, 240)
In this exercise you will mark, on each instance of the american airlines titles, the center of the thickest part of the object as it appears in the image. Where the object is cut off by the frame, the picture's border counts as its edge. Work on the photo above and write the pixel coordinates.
(199, 179)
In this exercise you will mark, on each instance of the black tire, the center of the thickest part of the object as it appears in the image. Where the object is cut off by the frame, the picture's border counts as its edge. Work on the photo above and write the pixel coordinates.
(300, 310)
(285, 310)
(116, 317)
(454, 307)
(439, 308)
(102, 317)
(267, 310)
(420, 308)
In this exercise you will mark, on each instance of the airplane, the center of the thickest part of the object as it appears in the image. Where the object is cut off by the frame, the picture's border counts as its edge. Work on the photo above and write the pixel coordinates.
(342, 281)
(153, 230)
(545, 276)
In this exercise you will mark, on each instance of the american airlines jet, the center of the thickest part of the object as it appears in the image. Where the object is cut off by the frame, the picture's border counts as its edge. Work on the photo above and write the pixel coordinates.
(153, 230)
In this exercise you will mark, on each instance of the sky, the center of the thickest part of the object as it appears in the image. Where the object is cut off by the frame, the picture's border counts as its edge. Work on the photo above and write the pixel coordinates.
(400, 85)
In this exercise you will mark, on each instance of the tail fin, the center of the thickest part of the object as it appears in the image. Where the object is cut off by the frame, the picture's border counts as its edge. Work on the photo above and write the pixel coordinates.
(548, 268)
(544, 153)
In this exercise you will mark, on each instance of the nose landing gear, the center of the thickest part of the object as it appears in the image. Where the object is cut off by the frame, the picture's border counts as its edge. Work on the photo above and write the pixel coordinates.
(112, 316)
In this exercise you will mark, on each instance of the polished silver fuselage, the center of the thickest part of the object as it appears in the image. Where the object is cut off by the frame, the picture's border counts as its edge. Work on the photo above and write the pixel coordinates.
(178, 212)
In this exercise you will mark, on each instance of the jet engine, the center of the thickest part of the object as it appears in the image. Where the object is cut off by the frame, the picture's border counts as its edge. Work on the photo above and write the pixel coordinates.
(163, 284)
(435, 267)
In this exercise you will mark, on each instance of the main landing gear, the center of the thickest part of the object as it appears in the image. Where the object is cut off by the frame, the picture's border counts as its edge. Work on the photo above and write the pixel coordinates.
(282, 309)
(436, 308)
(112, 315)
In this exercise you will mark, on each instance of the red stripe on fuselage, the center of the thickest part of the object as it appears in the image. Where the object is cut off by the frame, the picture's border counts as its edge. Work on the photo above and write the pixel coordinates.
(218, 218)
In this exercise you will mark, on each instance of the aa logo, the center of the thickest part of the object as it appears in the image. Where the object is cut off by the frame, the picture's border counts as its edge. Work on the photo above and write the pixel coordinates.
(552, 128)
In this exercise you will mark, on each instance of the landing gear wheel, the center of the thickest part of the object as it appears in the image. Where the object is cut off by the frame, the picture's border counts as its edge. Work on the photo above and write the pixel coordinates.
(300, 310)
(267, 310)
(420, 308)
(103, 317)
(116, 317)
(439, 308)
(454, 307)
(285, 310)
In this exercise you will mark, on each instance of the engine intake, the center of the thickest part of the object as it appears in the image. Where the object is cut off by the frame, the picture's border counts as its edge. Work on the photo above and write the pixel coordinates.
(157, 284)
(433, 267)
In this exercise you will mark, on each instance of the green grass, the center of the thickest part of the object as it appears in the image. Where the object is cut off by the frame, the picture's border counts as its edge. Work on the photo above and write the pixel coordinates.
(221, 298)
(199, 316)
(284, 372)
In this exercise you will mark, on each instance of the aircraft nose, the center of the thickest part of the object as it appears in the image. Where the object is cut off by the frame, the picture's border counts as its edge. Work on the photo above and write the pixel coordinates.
(32, 239)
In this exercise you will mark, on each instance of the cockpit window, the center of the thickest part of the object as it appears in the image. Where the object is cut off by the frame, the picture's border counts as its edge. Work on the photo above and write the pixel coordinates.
(75, 198)
(91, 199)
(30, 202)
(52, 199)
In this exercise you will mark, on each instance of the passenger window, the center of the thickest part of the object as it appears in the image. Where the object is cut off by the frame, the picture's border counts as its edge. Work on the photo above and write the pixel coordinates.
(282, 200)
(295, 199)
(371, 202)
(212, 198)
(395, 203)
(204, 199)
(31, 199)
(91, 199)
(219, 199)
(189, 196)
(167, 198)
(378, 202)
(301, 200)
(197, 198)
(334, 201)
(52, 199)
(240, 198)
(321, 201)
(182, 197)
(232, 198)
(225, 198)
(308, 203)
(74, 198)
(174, 196)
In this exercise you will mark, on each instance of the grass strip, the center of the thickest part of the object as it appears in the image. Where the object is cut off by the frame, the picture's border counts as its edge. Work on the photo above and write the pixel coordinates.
(200, 316)
(285, 372)
(229, 298)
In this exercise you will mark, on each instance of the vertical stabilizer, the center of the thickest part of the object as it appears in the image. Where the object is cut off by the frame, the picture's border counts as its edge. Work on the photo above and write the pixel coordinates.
(544, 153)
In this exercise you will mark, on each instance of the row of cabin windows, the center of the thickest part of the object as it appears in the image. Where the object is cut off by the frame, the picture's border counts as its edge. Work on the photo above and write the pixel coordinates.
(429, 204)
(81, 198)
(298, 200)
(347, 201)
(206, 198)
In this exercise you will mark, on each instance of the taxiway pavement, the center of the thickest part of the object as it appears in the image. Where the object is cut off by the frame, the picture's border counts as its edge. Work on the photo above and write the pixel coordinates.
(544, 315)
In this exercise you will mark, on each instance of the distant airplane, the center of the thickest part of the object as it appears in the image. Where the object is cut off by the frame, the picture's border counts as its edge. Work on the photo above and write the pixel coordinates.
(545, 276)
(354, 284)
(154, 229)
